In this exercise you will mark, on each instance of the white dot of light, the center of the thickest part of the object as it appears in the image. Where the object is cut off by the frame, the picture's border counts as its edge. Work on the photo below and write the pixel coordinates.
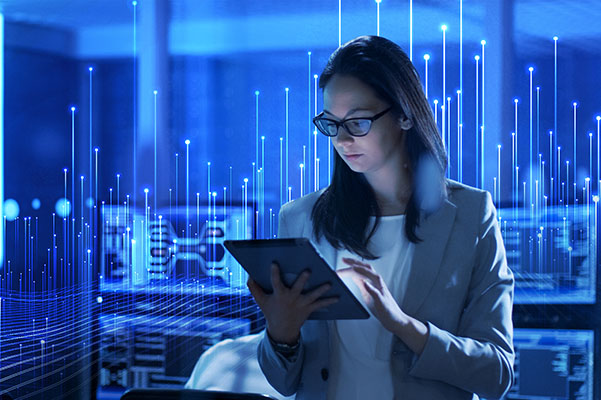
(11, 209)
(36, 204)
(426, 57)
(99, 299)
(62, 207)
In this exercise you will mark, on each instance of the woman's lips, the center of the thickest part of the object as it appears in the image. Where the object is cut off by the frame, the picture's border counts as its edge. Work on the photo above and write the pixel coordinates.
(352, 156)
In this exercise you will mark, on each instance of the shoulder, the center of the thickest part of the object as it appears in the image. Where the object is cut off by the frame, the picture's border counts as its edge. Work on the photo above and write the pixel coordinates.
(301, 206)
(473, 205)
(463, 195)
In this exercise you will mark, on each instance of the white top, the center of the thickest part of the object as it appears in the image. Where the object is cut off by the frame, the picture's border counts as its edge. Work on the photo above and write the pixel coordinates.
(360, 349)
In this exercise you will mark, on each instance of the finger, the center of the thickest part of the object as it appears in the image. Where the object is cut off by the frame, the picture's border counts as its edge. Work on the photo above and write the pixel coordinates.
(323, 303)
(352, 261)
(276, 281)
(374, 277)
(316, 293)
(256, 291)
(372, 290)
(300, 282)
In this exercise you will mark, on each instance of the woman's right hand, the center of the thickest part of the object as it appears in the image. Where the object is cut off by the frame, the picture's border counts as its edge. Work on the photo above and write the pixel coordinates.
(287, 309)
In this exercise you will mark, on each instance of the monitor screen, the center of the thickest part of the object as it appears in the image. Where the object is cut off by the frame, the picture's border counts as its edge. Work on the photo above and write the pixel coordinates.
(178, 245)
(552, 252)
(553, 364)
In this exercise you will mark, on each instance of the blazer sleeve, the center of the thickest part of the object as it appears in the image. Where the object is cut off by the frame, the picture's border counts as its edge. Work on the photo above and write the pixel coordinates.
(479, 359)
(283, 373)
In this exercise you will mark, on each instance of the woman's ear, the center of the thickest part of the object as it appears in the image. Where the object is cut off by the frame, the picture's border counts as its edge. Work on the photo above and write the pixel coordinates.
(406, 123)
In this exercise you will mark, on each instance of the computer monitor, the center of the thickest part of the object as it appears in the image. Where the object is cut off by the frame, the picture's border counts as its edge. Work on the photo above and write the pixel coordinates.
(552, 252)
(553, 365)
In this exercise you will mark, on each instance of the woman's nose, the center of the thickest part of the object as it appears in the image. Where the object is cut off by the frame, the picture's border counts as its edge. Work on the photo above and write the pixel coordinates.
(343, 136)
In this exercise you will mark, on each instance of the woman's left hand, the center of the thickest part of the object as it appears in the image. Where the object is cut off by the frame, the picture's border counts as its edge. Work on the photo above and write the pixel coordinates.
(375, 293)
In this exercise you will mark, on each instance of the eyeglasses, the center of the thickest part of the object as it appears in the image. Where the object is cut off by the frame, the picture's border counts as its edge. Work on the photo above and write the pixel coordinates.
(354, 126)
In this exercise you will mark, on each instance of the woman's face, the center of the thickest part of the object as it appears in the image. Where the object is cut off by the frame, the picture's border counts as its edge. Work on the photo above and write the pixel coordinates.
(348, 97)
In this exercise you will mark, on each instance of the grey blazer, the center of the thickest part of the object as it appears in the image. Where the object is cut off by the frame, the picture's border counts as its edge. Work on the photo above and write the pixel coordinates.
(459, 285)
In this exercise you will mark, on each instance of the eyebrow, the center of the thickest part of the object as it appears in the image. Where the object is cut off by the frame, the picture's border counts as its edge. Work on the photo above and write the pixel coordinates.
(352, 111)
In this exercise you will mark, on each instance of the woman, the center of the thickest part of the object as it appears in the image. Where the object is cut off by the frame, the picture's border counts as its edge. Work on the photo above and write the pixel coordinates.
(425, 253)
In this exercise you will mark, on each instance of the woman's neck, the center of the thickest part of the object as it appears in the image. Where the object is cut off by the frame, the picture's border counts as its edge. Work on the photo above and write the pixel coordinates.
(392, 190)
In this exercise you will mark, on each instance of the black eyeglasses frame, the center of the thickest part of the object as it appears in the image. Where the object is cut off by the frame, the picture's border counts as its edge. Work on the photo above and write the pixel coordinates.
(342, 122)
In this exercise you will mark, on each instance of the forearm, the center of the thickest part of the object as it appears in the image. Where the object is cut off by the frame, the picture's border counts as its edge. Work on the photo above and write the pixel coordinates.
(477, 366)
(281, 372)
(413, 333)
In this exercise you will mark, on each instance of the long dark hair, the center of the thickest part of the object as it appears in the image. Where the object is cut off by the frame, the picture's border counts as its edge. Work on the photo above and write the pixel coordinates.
(342, 212)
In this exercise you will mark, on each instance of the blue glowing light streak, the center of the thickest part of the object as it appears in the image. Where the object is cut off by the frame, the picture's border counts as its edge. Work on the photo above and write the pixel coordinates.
(411, 30)
(530, 118)
(339, 23)
(477, 102)
(426, 58)
(2, 231)
(378, 17)
(444, 83)
(482, 43)
(312, 148)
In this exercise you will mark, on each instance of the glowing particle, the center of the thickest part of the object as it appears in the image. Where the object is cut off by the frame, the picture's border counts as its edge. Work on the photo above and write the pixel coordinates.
(555, 38)
(426, 57)
(530, 69)
(443, 27)
(62, 207)
(483, 42)
(36, 204)
(187, 141)
(11, 209)
(99, 299)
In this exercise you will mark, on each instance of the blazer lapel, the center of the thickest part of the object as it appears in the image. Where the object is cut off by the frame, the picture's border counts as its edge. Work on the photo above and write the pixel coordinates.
(427, 257)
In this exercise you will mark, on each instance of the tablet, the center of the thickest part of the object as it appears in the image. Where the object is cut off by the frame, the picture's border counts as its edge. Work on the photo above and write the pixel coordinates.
(294, 256)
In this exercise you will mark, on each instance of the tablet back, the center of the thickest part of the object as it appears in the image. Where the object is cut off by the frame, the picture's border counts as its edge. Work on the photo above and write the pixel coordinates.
(294, 256)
